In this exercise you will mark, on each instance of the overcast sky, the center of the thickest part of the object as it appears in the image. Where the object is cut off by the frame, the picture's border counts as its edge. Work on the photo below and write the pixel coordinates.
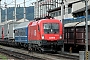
(11, 3)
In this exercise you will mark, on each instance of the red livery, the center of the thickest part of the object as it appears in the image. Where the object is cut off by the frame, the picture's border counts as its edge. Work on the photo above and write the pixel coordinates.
(45, 34)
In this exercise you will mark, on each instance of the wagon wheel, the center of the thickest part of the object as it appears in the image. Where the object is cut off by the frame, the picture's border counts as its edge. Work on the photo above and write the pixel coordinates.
(30, 48)
(41, 50)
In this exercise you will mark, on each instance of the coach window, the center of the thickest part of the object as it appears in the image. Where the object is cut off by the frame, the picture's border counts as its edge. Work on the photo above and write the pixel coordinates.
(24, 32)
(15, 32)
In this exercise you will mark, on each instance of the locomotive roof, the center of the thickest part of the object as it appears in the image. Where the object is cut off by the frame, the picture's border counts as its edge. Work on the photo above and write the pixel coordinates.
(22, 25)
(47, 20)
(76, 24)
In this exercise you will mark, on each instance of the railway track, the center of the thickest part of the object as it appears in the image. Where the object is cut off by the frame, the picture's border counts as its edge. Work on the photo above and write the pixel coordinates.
(57, 56)
(64, 55)
(23, 54)
(18, 55)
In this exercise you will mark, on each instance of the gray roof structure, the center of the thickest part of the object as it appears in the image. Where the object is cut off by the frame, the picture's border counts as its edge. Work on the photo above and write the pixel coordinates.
(22, 25)
(76, 24)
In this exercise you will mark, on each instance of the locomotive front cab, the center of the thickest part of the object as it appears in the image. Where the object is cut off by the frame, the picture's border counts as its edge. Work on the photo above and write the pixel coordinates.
(51, 31)
(51, 34)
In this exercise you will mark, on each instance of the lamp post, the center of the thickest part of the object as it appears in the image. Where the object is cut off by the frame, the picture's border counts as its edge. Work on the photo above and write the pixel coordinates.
(0, 11)
(5, 11)
(24, 11)
(86, 28)
(15, 12)
(62, 20)
(86, 25)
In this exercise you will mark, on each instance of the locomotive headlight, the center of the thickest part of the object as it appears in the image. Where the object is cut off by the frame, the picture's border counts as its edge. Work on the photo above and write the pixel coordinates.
(42, 36)
(60, 37)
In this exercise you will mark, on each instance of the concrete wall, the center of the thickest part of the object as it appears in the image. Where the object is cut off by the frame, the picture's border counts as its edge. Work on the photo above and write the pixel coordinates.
(79, 6)
(69, 16)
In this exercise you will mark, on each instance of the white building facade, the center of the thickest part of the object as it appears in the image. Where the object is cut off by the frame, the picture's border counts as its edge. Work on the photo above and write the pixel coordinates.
(72, 8)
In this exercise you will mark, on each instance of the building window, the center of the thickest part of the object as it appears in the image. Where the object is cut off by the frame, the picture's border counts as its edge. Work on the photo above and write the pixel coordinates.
(59, 12)
(50, 14)
(89, 12)
(53, 14)
(56, 13)
(69, 10)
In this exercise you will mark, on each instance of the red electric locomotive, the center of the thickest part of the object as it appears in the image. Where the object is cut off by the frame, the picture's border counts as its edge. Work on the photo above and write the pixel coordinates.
(45, 35)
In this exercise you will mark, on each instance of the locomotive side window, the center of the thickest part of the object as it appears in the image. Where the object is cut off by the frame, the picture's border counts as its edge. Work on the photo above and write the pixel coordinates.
(38, 28)
(51, 27)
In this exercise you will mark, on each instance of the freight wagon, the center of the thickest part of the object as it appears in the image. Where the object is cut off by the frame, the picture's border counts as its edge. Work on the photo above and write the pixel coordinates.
(74, 36)
(8, 29)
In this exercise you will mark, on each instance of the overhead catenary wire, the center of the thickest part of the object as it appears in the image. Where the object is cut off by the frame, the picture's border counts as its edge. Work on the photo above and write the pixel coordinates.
(8, 3)
(17, 4)
(25, 2)
(12, 3)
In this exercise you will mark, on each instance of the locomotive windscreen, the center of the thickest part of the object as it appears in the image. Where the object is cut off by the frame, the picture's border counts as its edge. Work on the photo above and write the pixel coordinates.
(51, 28)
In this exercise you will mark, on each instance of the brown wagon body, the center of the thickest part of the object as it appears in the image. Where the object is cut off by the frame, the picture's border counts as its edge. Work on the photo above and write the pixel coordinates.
(74, 36)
